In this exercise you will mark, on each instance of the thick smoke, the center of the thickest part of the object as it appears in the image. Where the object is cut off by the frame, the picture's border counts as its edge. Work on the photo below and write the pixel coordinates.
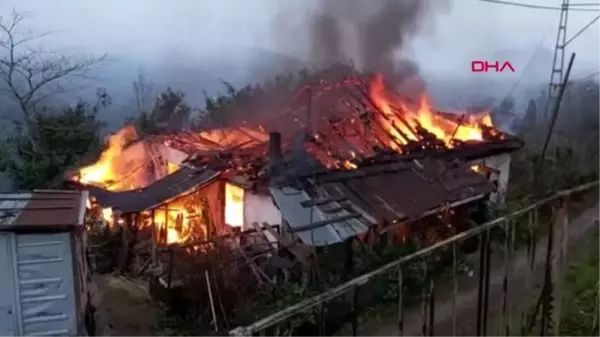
(372, 33)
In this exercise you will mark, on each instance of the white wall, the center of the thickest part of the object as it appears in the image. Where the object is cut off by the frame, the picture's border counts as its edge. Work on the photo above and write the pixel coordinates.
(172, 155)
(259, 208)
(500, 163)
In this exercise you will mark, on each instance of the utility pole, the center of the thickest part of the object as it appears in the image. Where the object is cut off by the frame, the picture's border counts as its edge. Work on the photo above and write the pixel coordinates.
(558, 62)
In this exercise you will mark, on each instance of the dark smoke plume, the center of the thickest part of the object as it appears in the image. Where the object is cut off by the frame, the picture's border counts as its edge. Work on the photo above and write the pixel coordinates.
(370, 32)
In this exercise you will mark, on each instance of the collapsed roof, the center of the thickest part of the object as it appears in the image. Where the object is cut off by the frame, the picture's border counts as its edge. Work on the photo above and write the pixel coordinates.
(381, 156)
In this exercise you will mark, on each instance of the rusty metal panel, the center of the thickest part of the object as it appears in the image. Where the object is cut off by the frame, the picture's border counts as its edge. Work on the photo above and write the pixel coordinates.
(394, 191)
(42, 209)
(45, 285)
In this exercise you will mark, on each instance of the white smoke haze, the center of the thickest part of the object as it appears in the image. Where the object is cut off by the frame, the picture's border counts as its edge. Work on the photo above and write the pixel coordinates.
(193, 44)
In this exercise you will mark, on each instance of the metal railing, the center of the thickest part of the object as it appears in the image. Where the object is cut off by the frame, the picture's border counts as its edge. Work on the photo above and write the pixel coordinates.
(548, 302)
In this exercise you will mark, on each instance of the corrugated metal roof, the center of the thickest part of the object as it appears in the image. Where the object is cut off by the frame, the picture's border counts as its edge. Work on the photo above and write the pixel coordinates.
(406, 189)
(343, 221)
(175, 184)
(42, 209)
(379, 192)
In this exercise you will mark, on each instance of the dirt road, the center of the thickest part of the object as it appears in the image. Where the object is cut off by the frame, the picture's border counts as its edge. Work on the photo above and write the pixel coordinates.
(124, 308)
(466, 302)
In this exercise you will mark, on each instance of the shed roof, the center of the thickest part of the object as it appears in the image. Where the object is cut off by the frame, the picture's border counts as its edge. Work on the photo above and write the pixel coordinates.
(42, 209)
(183, 180)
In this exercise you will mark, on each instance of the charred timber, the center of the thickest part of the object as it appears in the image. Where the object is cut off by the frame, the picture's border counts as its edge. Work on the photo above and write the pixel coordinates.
(467, 151)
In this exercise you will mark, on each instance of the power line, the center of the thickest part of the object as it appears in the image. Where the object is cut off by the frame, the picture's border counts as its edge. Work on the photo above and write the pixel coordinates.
(585, 4)
(582, 30)
(538, 48)
(518, 4)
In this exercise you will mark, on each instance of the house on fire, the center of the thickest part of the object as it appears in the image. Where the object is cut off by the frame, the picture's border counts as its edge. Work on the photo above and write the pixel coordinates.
(355, 158)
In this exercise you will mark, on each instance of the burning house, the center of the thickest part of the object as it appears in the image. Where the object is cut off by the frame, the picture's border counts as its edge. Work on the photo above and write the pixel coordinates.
(340, 159)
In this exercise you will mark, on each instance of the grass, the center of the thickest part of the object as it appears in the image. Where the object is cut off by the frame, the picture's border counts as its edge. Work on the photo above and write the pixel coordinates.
(580, 309)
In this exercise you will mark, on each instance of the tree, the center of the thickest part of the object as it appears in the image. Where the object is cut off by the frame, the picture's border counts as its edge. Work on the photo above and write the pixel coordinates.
(170, 112)
(57, 140)
(143, 90)
(531, 115)
(30, 74)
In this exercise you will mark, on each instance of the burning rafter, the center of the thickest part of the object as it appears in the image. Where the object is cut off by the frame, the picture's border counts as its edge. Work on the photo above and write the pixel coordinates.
(352, 119)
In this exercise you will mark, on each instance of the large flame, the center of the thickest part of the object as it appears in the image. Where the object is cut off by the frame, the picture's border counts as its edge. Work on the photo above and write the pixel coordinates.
(402, 121)
(114, 165)
(234, 205)
(175, 221)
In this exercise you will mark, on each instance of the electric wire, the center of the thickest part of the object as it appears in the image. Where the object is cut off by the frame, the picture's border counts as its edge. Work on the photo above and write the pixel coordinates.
(529, 63)
(582, 30)
(517, 4)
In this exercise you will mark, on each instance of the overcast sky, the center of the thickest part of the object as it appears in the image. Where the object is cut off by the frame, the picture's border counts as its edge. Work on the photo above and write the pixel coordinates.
(194, 29)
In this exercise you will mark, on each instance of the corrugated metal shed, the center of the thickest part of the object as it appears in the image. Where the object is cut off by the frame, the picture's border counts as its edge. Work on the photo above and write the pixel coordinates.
(46, 284)
(182, 181)
(44, 278)
(341, 220)
(42, 209)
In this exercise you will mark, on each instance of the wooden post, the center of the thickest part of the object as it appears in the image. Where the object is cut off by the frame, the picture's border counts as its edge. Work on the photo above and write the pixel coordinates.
(560, 259)
(165, 229)
(154, 239)
(400, 308)
(124, 244)
(509, 238)
(454, 286)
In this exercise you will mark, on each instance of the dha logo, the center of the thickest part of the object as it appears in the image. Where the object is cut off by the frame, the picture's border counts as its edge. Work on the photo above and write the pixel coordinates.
(485, 66)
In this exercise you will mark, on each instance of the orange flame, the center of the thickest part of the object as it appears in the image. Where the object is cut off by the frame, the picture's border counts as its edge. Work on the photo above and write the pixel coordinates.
(110, 167)
(401, 121)
(177, 222)
(234, 205)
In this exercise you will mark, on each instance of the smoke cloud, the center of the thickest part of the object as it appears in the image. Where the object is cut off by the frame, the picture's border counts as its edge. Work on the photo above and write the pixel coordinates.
(372, 33)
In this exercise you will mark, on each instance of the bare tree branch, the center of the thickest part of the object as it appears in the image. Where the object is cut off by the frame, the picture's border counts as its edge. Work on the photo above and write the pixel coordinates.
(143, 90)
(30, 74)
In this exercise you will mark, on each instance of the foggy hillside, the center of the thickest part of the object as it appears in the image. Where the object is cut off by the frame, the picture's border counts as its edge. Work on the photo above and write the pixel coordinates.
(195, 77)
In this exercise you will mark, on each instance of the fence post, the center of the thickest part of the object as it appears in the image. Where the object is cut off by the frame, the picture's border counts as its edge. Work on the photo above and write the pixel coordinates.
(400, 309)
(424, 293)
(509, 242)
(454, 288)
(355, 311)
(561, 227)
(482, 298)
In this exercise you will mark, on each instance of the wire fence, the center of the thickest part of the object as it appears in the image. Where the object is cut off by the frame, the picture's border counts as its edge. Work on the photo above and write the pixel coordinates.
(515, 256)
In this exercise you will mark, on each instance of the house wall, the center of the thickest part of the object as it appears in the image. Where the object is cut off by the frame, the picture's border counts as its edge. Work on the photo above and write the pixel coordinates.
(260, 208)
(501, 163)
(38, 296)
(171, 155)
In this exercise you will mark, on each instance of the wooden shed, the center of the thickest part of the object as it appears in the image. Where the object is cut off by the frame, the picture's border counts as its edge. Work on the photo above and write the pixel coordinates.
(45, 280)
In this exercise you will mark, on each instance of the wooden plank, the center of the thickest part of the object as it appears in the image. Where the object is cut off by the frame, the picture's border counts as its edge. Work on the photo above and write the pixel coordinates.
(300, 251)
(260, 231)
